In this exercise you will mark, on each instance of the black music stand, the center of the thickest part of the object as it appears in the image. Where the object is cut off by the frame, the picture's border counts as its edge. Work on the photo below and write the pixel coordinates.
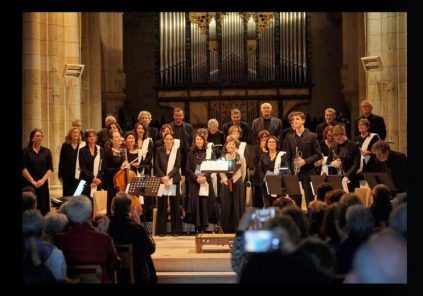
(335, 181)
(274, 185)
(291, 185)
(219, 166)
(316, 181)
(145, 186)
(376, 178)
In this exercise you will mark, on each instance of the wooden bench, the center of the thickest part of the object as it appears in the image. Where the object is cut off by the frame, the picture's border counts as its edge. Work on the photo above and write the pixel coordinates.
(213, 239)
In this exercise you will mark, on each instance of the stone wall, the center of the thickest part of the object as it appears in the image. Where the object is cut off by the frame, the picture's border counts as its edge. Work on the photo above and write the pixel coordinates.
(386, 36)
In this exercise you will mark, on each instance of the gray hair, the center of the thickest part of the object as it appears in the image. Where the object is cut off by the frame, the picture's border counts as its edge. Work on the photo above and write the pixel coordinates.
(144, 113)
(400, 198)
(368, 102)
(398, 219)
(78, 209)
(55, 223)
(212, 121)
(266, 103)
(121, 204)
(382, 259)
(360, 221)
(331, 110)
(32, 223)
(109, 117)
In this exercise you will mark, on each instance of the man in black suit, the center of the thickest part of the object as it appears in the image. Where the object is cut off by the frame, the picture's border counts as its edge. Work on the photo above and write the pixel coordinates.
(392, 162)
(144, 117)
(303, 150)
(236, 120)
(377, 123)
(330, 115)
(103, 135)
(344, 156)
(267, 122)
(183, 131)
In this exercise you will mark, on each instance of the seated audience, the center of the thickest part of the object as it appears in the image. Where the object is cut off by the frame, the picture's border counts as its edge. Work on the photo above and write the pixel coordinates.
(82, 243)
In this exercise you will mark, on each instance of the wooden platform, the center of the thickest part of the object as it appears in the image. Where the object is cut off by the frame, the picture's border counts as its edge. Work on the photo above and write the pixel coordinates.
(176, 261)
(213, 239)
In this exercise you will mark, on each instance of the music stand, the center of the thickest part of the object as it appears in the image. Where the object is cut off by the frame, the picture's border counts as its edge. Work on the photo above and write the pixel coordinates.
(145, 186)
(316, 181)
(274, 185)
(291, 185)
(219, 166)
(335, 181)
(376, 178)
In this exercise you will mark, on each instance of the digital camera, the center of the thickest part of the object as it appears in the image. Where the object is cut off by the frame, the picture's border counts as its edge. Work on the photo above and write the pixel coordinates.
(261, 241)
(264, 215)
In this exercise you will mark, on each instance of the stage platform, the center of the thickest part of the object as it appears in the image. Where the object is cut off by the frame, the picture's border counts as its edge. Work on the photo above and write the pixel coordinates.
(176, 261)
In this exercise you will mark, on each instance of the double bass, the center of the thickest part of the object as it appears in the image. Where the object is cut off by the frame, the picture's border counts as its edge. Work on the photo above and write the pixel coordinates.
(121, 180)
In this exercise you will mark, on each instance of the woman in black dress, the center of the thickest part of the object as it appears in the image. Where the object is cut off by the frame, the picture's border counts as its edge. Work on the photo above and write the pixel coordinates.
(90, 162)
(167, 165)
(257, 178)
(37, 167)
(114, 160)
(145, 149)
(199, 209)
(67, 161)
(232, 198)
(271, 161)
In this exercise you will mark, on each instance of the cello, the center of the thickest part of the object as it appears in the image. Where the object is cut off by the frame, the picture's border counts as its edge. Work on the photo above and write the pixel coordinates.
(121, 180)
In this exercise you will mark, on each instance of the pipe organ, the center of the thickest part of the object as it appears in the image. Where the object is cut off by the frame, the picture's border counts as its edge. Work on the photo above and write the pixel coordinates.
(218, 49)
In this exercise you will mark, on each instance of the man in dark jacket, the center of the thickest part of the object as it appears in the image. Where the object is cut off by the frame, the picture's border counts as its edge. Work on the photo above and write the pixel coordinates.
(126, 230)
(377, 123)
(267, 122)
(392, 162)
(236, 120)
(303, 150)
(183, 131)
(330, 115)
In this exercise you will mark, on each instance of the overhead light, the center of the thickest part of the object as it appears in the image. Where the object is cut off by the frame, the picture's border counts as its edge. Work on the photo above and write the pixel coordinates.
(73, 70)
(373, 63)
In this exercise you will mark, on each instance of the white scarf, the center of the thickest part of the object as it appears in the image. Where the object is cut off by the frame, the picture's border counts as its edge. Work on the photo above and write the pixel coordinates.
(97, 162)
(96, 168)
(278, 162)
(172, 157)
(204, 188)
(241, 148)
(143, 151)
(364, 148)
(77, 169)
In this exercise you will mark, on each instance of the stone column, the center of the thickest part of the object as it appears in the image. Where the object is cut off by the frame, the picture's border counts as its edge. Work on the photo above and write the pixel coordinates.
(91, 80)
(112, 57)
(352, 73)
(386, 37)
(31, 74)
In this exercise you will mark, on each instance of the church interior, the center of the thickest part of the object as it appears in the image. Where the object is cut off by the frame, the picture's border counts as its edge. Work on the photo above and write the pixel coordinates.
(86, 66)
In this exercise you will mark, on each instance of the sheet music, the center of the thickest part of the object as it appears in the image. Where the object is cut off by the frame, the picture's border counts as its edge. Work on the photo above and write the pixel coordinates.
(204, 189)
(198, 172)
(93, 189)
(214, 165)
(167, 190)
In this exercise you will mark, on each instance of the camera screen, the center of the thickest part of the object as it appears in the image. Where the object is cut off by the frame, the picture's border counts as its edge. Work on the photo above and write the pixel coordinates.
(260, 241)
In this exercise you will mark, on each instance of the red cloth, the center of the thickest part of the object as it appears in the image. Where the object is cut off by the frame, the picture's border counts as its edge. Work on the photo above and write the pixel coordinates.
(82, 244)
